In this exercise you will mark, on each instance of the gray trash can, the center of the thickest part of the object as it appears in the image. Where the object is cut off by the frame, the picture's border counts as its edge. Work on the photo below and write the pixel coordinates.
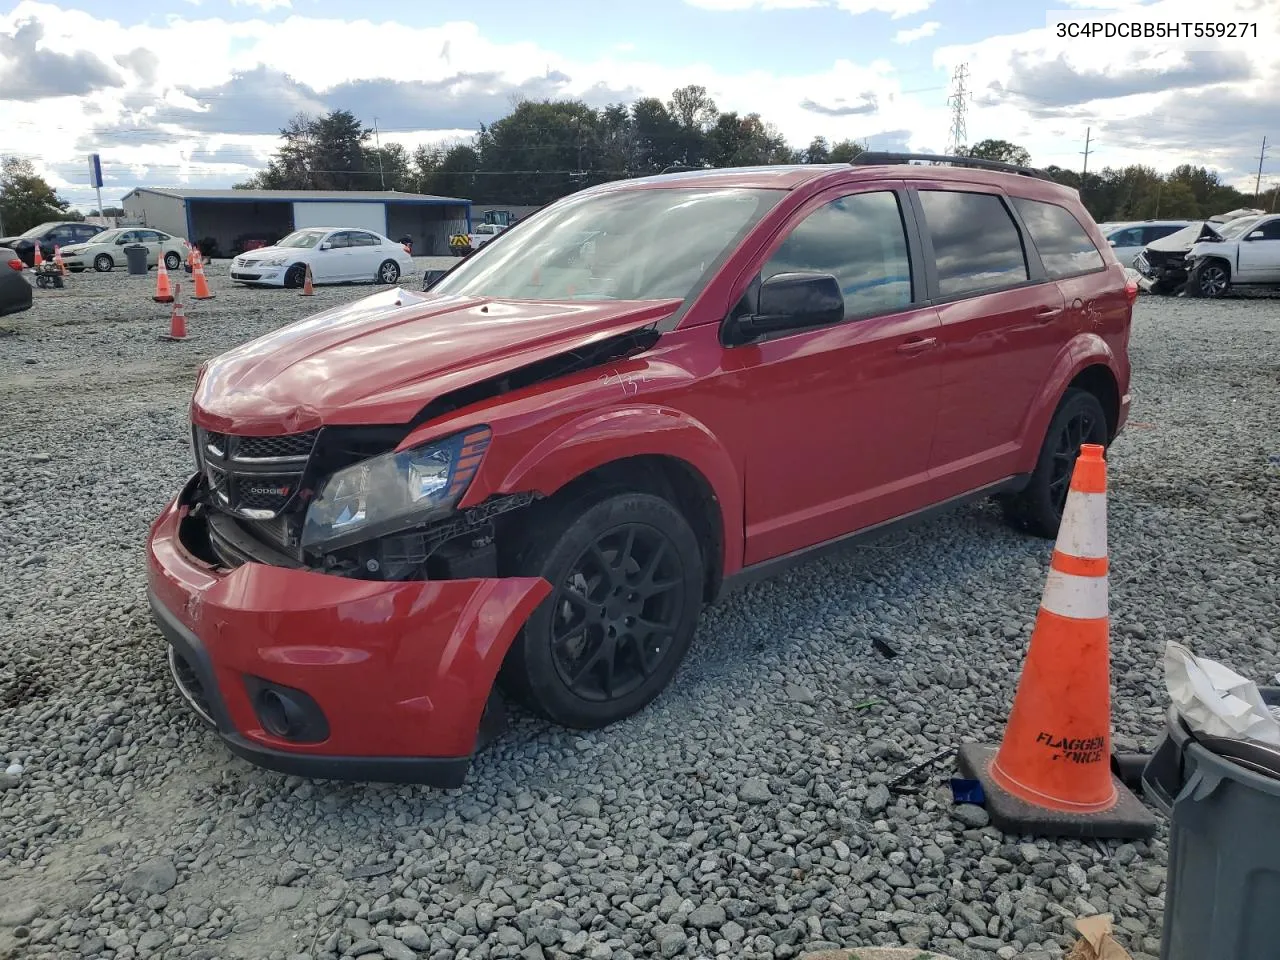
(1223, 885)
(136, 254)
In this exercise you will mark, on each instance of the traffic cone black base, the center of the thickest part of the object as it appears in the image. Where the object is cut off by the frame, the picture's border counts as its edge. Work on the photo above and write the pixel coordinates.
(1127, 819)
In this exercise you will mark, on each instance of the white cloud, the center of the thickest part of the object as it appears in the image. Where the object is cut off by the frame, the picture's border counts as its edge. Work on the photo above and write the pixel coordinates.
(264, 5)
(927, 29)
(895, 8)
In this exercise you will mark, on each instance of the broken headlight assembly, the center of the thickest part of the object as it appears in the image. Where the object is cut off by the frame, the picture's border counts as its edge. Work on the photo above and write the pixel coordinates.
(393, 492)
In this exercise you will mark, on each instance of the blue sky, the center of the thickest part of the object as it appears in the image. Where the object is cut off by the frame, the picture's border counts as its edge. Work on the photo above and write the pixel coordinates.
(177, 92)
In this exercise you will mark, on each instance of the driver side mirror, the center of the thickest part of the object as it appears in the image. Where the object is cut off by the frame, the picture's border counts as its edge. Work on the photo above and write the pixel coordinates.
(122, 241)
(791, 301)
(326, 245)
(1111, 243)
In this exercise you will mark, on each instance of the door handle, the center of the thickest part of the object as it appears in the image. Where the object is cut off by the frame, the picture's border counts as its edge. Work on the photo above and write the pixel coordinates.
(1045, 314)
(916, 344)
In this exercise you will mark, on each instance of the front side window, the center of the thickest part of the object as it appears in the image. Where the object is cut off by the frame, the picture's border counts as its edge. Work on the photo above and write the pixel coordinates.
(1132, 237)
(976, 244)
(1270, 230)
(339, 241)
(1065, 247)
(649, 243)
(861, 241)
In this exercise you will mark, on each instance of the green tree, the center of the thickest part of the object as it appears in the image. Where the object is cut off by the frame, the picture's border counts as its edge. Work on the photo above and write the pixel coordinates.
(1001, 150)
(320, 153)
(818, 151)
(26, 199)
(845, 151)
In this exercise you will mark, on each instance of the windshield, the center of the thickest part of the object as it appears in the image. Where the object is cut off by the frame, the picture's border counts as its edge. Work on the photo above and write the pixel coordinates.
(648, 244)
(1237, 228)
(302, 238)
(107, 236)
(37, 230)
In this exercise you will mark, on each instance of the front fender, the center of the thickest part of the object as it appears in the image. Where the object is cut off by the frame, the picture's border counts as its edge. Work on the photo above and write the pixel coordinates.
(642, 429)
(1084, 351)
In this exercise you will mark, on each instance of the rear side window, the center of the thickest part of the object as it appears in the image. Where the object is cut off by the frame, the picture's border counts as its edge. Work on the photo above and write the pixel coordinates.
(1152, 234)
(1065, 247)
(861, 241)
(976, 244)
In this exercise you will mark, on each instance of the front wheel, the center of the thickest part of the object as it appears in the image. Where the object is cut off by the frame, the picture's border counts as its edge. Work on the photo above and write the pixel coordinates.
(389, 272)
(626, 571)
(295, 276)
(1212, 278)
(103, 263)
(1038, 508)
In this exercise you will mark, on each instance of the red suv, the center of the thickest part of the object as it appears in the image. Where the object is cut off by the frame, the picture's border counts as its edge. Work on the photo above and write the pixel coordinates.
(536, 473)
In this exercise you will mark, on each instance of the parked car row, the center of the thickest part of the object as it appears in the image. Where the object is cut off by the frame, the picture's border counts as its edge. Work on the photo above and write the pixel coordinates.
(48, 236)
(105, 251)
(1207, 259)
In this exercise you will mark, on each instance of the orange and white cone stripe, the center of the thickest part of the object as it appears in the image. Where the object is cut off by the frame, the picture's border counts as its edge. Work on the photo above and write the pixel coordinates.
(1057, 747)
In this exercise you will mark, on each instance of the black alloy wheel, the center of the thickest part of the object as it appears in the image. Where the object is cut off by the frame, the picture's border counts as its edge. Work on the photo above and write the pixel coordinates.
(626, 571)
(1038, 507)
(1212, 279)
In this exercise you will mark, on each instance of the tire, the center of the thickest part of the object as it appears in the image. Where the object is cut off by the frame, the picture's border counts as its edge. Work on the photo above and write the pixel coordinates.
(389, 272)
(590, 678)
(172, 261)
(103, 263)
(295, 276)
(1212, 279)
(1038, 507)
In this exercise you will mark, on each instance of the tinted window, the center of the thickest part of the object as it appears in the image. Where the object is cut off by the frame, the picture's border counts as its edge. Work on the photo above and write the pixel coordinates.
(340, 240)
(87, 233)
(1151, 234)
(1271, 230)
(860, 240)
(1065, 247)
(1132, 237)
(363, 240)
(975, 242)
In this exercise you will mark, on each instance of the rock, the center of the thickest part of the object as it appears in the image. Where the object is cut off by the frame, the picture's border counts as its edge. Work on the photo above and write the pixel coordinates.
(709, 916)
(285, 898)
(670, 939)
(755, 791)
(394, 949)
(405, 909)
(971, 816)
(155, 876)
(414, 937)
(586, 807)
(878, 798)
(289, 873)
(18, 914)
(799, 694)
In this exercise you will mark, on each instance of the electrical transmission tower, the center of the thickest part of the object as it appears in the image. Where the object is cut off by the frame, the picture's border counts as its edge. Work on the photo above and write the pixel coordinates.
(959, 102)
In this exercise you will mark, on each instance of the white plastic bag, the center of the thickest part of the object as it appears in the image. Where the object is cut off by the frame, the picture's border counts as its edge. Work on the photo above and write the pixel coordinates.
(1216, 701)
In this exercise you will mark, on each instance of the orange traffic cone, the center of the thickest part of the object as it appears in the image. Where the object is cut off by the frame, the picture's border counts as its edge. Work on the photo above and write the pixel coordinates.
(163, 293)
(1052, 774)
(307, 289)
(57, 260)
(177, 319)
(202, 283)
(38, 259)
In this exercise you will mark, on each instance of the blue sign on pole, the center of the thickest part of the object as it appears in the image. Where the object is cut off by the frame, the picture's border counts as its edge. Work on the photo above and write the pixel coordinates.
(95, 170)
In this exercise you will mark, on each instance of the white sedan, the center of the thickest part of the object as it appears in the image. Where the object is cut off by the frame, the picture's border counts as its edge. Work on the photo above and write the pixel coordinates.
(335, 255)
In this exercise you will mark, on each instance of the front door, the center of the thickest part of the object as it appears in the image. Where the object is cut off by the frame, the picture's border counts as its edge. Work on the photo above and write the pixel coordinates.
(838, 419)
(1260, 256)
(1000, 333)
(333, 265)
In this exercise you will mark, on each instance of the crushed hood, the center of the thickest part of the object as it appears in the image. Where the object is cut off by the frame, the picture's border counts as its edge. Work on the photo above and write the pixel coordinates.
(381, 359)
(1184, 239)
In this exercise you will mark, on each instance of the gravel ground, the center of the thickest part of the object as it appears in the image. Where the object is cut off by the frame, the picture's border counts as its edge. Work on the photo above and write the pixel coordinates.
(744, 813)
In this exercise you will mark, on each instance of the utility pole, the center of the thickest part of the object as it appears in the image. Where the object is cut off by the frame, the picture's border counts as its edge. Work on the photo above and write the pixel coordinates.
(1261, 155)
(378, 143)
(958, 101)
(1087, 132)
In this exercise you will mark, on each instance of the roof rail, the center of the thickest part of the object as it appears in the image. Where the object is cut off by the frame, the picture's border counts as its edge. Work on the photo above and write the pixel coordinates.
(875, 158)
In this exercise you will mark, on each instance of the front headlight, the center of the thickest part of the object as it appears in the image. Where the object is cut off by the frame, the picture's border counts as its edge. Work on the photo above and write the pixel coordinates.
(272, 262)
(393, 492)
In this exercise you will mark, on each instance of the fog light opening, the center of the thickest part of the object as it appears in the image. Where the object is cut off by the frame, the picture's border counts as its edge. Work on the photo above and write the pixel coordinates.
(280, 716)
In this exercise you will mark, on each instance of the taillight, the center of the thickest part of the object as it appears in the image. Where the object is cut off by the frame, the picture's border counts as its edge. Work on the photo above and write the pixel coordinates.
(1131, 290)
(16, 264)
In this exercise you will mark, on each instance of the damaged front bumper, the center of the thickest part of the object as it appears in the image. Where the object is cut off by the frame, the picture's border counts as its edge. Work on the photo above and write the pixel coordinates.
(325, 676)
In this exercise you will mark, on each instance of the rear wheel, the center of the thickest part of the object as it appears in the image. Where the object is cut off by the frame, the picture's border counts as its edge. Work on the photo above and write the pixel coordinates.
(1079, 419)
(389, 272)
(103, 263)
(626, 571)
(172, 261)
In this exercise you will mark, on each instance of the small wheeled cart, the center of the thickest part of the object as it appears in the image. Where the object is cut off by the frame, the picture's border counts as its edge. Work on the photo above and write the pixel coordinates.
(48, 275)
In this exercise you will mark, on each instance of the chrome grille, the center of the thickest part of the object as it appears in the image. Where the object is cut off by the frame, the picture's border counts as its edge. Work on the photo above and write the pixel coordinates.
(253, 477)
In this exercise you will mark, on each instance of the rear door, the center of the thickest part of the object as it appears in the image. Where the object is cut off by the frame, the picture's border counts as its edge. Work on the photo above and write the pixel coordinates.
(1260, 255)
(840, 416)
(154, 245)
(366, 254)
(1002, 325)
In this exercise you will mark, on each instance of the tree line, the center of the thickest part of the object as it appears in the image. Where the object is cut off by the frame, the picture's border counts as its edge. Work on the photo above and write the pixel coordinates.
(543, 150)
